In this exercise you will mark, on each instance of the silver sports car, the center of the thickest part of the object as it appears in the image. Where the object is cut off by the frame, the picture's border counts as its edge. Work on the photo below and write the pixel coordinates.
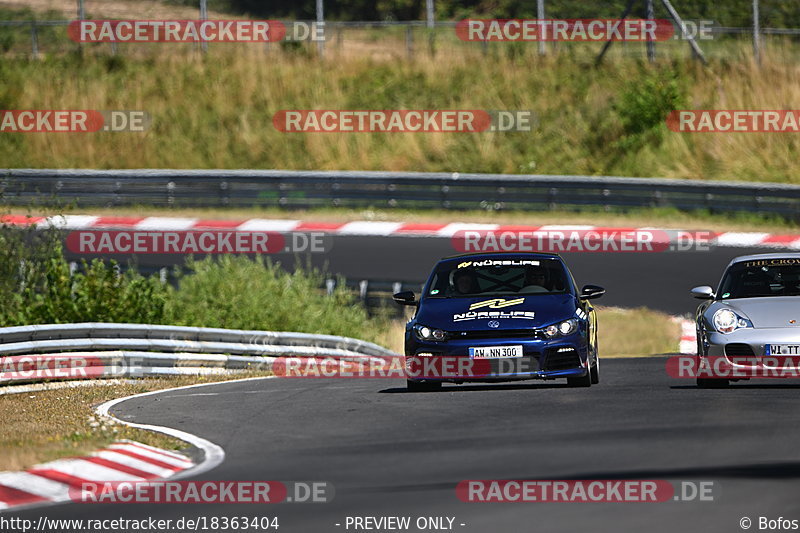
(750, 327)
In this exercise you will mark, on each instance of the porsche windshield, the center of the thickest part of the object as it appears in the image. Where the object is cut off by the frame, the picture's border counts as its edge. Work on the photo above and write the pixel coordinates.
(498, 277)
(763, 277)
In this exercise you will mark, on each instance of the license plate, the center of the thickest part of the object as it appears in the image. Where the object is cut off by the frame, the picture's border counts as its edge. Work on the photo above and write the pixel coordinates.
(782, 349)
(495, 352)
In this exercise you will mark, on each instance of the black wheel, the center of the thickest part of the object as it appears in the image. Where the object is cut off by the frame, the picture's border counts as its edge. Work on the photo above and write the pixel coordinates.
(423, 386)
(583, 381)
(595, 371)
(713, 383)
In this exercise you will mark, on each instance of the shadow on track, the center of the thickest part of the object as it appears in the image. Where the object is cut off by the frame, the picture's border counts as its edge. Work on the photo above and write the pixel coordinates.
(472, 387)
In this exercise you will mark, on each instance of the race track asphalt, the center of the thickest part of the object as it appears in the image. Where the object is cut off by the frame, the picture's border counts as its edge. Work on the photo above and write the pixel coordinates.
(659, 280)
(388, 452)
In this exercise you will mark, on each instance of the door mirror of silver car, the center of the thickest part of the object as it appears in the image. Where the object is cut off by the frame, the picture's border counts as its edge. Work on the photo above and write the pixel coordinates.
(590, 292)
(704, 292)
(405, 298)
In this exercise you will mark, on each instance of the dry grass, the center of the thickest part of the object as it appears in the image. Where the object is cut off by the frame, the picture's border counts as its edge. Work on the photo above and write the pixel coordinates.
(635, 332)
(46, 425)
(121, 9)
(216, 112)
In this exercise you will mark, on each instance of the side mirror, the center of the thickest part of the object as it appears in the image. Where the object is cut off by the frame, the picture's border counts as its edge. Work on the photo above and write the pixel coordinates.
(703, 292)
(590, 292)
(405, 298)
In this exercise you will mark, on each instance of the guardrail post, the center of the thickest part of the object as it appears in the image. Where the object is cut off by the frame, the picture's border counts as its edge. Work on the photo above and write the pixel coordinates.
(756, 33)
(34, 40)
(445, 201)
(330, 285)
(171, 193)
(658, 199)
(320, 11)
(551, 198)
(204, 16)
(363, 285)
(223, 193)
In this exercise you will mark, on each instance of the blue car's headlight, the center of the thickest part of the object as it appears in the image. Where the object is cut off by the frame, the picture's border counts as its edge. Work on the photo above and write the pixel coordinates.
(424, 333)
(726, 321)
(564, 328)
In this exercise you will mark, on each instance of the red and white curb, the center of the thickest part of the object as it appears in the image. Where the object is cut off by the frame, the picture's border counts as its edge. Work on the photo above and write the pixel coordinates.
(50, 483)
(688, 341)
(361, 227)
(60, 481)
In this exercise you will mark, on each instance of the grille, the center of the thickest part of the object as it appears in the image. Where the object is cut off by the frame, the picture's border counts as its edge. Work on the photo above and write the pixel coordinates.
(497, 334)
(740, 353)
(555, 360)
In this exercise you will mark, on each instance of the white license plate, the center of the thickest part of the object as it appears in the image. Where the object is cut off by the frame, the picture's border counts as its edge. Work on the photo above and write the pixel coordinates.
(495, 352)
(782, 349)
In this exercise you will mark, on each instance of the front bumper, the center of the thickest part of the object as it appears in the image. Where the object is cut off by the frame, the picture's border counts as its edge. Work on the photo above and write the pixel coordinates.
(743, 353)
(542, 359)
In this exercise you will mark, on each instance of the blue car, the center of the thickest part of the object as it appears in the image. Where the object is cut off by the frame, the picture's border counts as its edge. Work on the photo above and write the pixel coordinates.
(501, 317)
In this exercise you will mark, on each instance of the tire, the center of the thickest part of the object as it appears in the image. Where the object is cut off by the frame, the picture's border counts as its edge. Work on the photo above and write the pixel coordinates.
(595, 371)
(583, 381)
(713, 383)
(709, 383)
(423, 386)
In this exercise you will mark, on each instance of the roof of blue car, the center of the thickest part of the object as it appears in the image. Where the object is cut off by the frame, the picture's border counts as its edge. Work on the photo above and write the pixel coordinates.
(504, 255)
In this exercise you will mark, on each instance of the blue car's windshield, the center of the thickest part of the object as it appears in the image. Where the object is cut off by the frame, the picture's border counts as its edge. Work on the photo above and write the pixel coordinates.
(497, 277)
(762, 277)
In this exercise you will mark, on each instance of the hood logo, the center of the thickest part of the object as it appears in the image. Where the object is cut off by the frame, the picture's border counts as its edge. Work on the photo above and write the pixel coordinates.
(494, 324)
(496, 303)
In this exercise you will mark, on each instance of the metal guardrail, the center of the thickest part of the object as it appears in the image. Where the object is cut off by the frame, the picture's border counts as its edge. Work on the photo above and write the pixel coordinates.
(252, 341)
(115, 350)
(412, 190)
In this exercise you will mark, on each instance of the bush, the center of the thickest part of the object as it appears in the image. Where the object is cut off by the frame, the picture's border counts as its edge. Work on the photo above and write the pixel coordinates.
(645, 105)
(38, 286)
(240, 293)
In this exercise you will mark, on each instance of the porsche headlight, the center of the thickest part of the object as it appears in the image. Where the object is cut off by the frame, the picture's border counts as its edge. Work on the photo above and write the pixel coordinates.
(726, 321)
(424, 333)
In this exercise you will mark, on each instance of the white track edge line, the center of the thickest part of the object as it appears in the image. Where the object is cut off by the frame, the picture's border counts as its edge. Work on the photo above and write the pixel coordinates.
(213, 454)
